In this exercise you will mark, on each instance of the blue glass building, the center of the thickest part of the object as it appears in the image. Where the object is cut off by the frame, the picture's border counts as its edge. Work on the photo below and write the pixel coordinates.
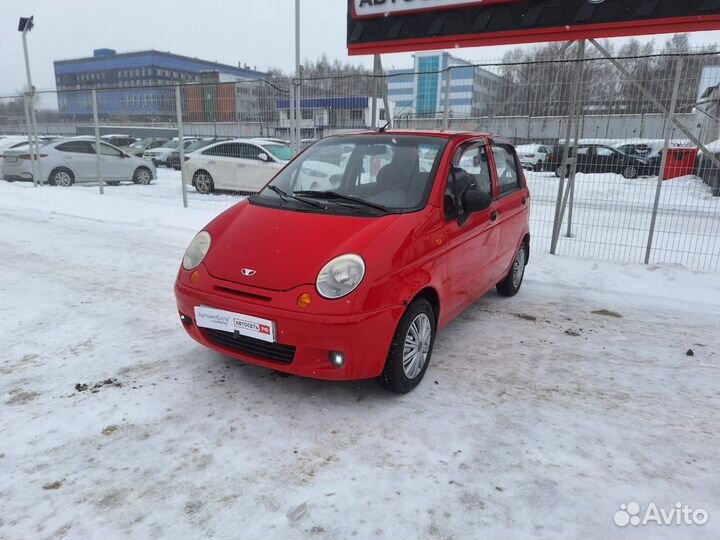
(135, 85)
(419, 92)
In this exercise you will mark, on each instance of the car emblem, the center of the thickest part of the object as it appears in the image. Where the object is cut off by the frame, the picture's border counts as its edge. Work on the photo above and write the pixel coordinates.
(248, 272)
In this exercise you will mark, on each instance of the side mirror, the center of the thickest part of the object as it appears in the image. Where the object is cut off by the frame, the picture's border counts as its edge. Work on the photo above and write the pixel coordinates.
(262, 156)
(474, 200)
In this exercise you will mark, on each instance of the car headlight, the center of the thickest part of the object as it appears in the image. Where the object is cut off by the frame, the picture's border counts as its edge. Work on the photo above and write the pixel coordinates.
(341, 276)
(197, 250)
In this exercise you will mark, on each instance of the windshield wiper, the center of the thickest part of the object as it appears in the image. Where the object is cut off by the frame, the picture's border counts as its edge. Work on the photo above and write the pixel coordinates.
(285, 196)
(334, 195)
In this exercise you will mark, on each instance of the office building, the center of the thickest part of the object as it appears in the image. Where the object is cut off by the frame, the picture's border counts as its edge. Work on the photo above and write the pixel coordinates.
(138, 85)
(420, 91)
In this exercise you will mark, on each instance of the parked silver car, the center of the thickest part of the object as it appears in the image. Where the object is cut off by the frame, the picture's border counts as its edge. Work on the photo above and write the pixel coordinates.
(138, 148)
(70, 160)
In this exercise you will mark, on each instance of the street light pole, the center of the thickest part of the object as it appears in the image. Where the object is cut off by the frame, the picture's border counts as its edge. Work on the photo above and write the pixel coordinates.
(26, 24)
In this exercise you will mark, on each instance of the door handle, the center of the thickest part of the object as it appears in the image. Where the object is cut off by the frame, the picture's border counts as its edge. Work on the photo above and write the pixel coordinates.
(524, 201)
(211, 162)
(494, 215)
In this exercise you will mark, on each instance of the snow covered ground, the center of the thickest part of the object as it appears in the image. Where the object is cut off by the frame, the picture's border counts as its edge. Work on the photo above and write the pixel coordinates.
(611, 219)
(540, 415)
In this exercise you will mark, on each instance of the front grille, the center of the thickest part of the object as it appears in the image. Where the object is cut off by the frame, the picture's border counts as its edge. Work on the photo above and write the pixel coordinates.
(254, 347)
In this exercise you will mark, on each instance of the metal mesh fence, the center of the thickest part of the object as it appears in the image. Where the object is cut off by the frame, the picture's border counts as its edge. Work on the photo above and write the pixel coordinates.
(611, 191)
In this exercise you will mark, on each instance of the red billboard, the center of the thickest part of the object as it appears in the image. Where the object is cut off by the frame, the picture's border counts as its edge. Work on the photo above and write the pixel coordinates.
(385, 26)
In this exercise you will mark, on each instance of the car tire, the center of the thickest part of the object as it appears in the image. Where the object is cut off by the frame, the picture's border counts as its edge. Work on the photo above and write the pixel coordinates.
(113, 183)
(559, 171)
(203, 182)
(630, 172)
(415, 335)
(512, 282)
(538, 166)
(61, 176)
(142, 176)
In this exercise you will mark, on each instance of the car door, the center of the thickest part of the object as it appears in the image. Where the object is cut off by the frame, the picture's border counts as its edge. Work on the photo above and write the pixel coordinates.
(254, 172)
(511, 205)
(80, 158)
(221, 163)
(585, 159)
(114, 165)
(472, 242)
(606, 159)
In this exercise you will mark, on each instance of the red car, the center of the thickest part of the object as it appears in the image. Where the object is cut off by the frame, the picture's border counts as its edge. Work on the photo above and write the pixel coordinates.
(353, 256)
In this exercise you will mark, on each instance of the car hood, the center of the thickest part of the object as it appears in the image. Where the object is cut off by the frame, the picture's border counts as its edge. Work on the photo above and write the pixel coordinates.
(284, 248)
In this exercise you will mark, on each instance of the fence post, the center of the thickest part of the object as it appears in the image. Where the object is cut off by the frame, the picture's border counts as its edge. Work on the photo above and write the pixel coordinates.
(572, 112)
(663, 161)
(298, 114)
(181, 147)
(34, 163)
(292, 119)
(374, 88)
(98, 158)
(446, 99)
(576, 137)
(386, 97)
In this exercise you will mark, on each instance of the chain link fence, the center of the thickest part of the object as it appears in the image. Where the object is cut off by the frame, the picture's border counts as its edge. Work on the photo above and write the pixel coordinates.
(620, 153)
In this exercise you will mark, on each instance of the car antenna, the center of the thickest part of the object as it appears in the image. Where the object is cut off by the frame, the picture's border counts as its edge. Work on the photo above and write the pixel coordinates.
(382, 129)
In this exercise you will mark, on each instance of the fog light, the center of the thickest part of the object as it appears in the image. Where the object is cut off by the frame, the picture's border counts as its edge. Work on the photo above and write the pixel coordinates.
(194, 277)
(304, 300)
(187, 321)
(337, 359)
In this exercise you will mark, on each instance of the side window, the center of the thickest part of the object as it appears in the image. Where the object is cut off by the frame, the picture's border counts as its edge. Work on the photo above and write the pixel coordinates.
(506, 168)
(470, 170)
(106, 150)
(603, 151)
(76, 147)
(249, 151)
(219, 150)
(583, 151)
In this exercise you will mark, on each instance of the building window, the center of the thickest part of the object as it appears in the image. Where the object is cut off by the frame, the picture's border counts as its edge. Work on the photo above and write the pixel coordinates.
(307, 114)
(356, 114)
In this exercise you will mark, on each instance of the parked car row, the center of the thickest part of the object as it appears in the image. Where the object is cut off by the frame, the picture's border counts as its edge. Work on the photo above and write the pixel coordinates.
(70, 160)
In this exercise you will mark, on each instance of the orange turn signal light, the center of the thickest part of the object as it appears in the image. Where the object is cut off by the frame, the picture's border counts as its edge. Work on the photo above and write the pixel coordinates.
(304, 300)
(194, 277)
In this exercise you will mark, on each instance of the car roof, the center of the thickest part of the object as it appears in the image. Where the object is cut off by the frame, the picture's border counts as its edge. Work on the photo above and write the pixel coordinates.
(441, 134)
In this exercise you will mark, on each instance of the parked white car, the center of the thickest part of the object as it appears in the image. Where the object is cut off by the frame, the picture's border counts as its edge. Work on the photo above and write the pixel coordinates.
(161, 154)
(533, 156)
(235, 165)
(66, 161)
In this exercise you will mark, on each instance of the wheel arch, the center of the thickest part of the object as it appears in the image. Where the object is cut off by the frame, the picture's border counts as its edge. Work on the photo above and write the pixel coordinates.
(430, 294)
(62, 167)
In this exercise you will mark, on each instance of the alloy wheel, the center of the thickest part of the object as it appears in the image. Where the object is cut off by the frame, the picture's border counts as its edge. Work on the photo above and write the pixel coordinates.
(417, 346)
(62, 178)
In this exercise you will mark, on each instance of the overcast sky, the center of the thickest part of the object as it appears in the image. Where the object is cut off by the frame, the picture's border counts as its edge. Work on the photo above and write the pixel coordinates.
(259, 33)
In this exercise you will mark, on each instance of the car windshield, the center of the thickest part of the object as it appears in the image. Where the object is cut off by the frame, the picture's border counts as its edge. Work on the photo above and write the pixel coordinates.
(139, 144)
(280, 151)
(370, 174)
(171, 144)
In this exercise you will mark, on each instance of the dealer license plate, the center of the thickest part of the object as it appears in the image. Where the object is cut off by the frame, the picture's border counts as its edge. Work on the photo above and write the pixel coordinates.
(227, 321)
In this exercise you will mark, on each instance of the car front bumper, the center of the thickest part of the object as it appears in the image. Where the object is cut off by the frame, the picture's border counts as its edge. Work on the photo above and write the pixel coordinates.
(363, 338)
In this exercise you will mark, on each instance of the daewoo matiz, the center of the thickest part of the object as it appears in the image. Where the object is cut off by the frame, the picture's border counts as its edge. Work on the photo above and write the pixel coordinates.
(353, 279)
